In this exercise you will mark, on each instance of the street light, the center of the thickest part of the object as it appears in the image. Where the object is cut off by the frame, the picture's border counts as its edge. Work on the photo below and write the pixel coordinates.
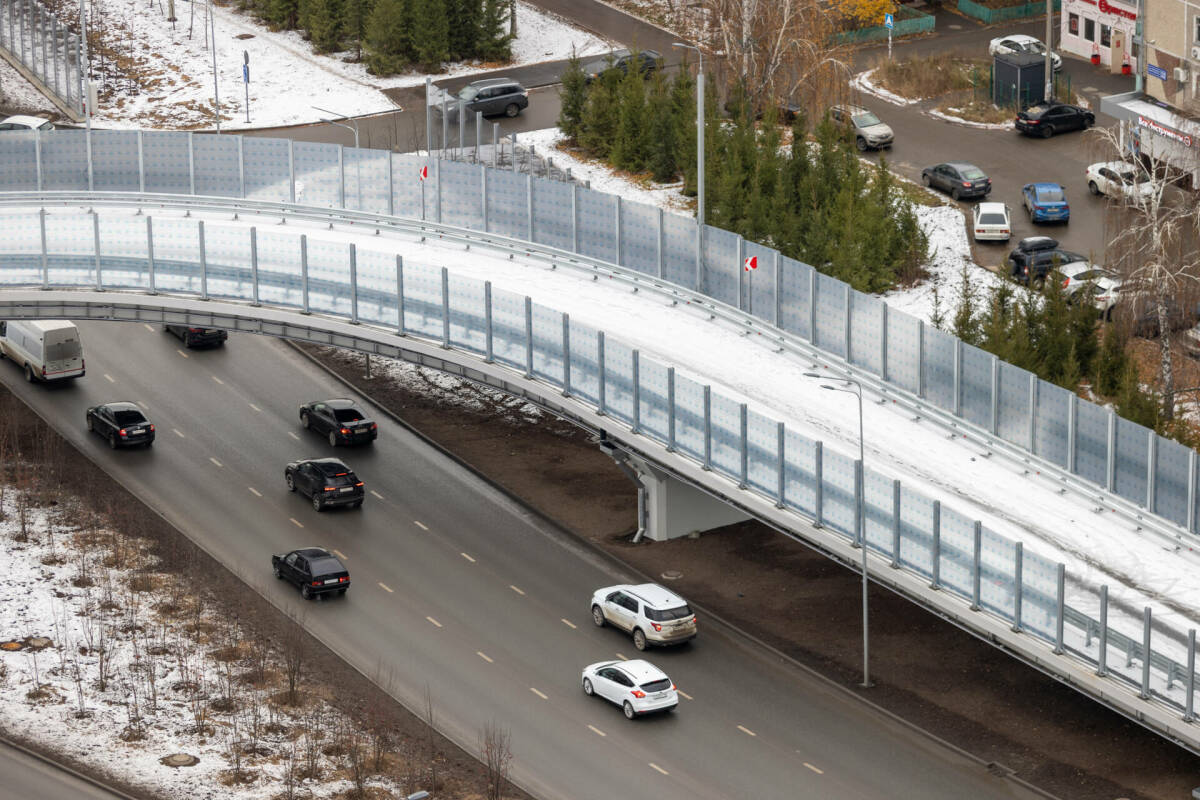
(699, 134)
(357, 160)
(861, 533)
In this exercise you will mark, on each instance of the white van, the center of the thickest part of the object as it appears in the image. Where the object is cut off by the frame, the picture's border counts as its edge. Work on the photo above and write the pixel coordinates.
(47, 349)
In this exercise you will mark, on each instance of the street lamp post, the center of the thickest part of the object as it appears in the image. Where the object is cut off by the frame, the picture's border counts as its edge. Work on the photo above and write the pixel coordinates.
(699, 134)
(357, 167)
(860, 515)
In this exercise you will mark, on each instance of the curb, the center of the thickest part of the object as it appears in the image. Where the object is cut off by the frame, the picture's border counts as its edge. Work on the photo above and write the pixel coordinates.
(733, 630)
(45, 759)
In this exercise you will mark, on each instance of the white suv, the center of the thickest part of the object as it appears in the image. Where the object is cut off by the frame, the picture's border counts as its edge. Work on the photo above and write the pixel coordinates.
(653, 614)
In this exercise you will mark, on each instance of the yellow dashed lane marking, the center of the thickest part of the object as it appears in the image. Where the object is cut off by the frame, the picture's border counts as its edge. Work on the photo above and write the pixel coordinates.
(484, 656)
(569, 624)
(817, 770)
(622, 656)
(516, 589)
(434, 621)
(539, 694)
(296, 522)
(657, 768)
(467, 557)
(341, 555)
(683, 694)
(746, 731)
(420, 524)
(385, 587)
(596, 730)
(185, 355)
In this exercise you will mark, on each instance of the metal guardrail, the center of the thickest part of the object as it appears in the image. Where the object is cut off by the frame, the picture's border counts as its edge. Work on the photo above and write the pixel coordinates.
(49, 51)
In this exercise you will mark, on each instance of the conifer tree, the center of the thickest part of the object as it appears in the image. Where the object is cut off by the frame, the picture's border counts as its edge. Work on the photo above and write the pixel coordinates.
(495, 40)
(283, 13)
(1112, 362)
(355, 14)
(573, 98)
(387, 42)
(322, 21)
(431, 37)
(1070, 374)
(628, 149)
(465, 18)
(601, 116)
(682, 112)
(1135, 404)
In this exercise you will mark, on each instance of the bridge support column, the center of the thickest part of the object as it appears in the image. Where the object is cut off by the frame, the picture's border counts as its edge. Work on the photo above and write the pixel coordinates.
(669, 508)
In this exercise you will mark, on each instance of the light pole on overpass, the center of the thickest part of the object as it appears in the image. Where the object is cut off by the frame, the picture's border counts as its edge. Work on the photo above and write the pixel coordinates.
(860, 516)
(357, 168)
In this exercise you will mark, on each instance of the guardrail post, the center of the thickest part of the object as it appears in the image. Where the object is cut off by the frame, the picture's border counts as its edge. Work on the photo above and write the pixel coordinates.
(1062, 607)
(977, 566)
(574, 217)
(1145, 691)
(658, 244)
(1102, 654)
(707, 428)
(601, 375)
(995, 395)
(192, 164)
(292, 172)
(254, 265)
(437, 173)
(204, 267)
(1071, 429)
(777, 311)
(936, 582)
(304, 271)
(637, 392)
(1111, 469)
(921, 359)
(1188, 715)
(341, 177)
(744, 414)
(617, 230)
(1018, 587)
(897, 522)
(860, 533)
(241, 163)
(1191, 491)
(445, 275)
(883, 340)
(818, 483)
(812, 306)
(670, 409)
(45, 260)
(489, 353)
(353, 283)
(150, 254)
(846, 323)
(780, 465)
(483, 200)
(1033, 400)
(528, 207)
(37, 156)
(96, 245)
(528, 336)
(1151, 469)
(566, 346)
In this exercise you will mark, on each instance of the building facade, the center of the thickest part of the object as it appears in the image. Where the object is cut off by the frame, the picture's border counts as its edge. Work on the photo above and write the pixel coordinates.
(1172, 35)
(1101, 29)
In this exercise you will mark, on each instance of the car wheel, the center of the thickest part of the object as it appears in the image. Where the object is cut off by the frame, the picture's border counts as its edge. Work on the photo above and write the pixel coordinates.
(598, 616)
(28, 374)
(861, 144)
(333, 440)
(304, 420)
(317, 504)
(954, 193)
(306, 592)
(290, 481)
(341, 592)
(925, 179)
(357, 504)
(587, 687)
(278, 574)
(628, 709)
(511, 110)
(639, 639)
(112, 441)
(187, 340)
(1093, 188)
(1047, 131)
(91, 423)
(1088, 122)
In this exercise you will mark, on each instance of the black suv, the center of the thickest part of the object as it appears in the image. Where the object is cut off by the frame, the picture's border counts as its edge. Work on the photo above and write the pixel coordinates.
(340, 419)
(493, 96)
(327, 481)
(1047, 119)
(198, 337)
(647, 62)
(314, 569)
(1035, 256)
(122, 424)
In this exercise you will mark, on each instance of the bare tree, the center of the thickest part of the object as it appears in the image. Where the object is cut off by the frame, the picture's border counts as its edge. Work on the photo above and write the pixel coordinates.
(291, 773)
(495, 751)
(354, 754)
(431, 736)
(293, 661)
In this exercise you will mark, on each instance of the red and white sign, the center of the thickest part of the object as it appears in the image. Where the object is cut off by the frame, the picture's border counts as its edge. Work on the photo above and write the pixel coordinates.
(1164, 131)
(424, 172)
(750, 263)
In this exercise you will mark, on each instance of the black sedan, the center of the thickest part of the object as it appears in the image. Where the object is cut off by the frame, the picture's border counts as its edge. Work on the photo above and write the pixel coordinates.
(122, 424)
(958, 178)
(340, 419)
(198, 337)
(1047, 119)
(646, 62)
(327, 481)
(314, 569)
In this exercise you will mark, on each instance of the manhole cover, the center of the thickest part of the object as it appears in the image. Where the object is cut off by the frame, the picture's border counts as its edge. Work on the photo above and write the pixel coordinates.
(11, 646)
(179, 760)
(244, 36)
(39, 642)
(672, 575)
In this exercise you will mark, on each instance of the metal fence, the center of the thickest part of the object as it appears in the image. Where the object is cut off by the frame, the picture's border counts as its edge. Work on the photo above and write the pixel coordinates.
(1002, 401)
(275, 267)
(37, 39)
(989, 15)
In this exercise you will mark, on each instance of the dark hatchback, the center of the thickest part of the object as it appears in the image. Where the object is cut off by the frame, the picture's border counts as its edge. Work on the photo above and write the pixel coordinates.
(327, 481)
(1035, 256)
(957, 178)
(1047, 119)
(340, 420)
(122, 424)
(314, 569)
(199, 337)
(647, 61)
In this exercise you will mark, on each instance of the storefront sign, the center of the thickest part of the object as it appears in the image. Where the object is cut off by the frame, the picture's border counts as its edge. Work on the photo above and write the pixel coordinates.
(1109, 8)
(1165, 132)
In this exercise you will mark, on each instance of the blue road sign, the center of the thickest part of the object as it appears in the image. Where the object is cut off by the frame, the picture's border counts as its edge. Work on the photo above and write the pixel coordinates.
(245, 73)
(889, 21)
(1157, 71)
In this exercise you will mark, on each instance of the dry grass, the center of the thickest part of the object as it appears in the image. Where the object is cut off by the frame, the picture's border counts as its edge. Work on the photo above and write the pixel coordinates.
(930, 76)
(978, 111)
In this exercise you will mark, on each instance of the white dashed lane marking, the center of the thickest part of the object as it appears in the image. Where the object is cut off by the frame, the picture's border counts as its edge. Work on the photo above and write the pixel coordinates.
(622, 656)
(179, 433)
(218, 380)
(254, 491)
(147, 327)
(340, 555)
(296, 522)
(516, 589)
(293, 435)
(569, 624)
(185, 355)
(746, 731)
(467, 557)
(814, 769)
(256, 408)
(596, 730)
(109, 378)
(484, 656)
(420, 524)
(657, 768)
(539, 694)
(385, 587)
(213, 460)
(376, 494)
(434, 621)
(683, 694)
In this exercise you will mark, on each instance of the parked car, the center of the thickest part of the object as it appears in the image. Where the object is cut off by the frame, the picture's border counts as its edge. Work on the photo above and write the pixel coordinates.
(198, 337)
(1046, 202)
(314, 569)
(1083, 281)
(992, 222)
(1047, 119)
(491, 97)
(958, 178)
(327, 481)
(21, 122)
(868, 131)
(122, 424)
(1035, 256)
(1119, 179)
(652, 614)
(340, 419)
(1021, 43)
(46, 349)
(647, 62)
(637, 686)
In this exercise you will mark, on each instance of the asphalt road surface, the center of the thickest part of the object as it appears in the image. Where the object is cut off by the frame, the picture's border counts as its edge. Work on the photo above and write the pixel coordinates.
(458, 589)
(27, 777)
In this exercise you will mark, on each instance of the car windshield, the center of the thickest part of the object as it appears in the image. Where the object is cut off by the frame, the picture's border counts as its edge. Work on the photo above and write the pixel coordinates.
(1033, 47)
(1067, 257)
(992, 218)
(1094, 274)
(657, 686)
(668, 614)
(468, 93)
(1051, 195)
(325, 566)
(347, 414)
(128, 416)
(61, 351)
(973, 173)
(1129, 176)
(866, 119)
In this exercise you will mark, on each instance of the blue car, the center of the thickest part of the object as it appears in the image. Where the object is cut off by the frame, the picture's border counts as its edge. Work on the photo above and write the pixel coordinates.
(1046, 202)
